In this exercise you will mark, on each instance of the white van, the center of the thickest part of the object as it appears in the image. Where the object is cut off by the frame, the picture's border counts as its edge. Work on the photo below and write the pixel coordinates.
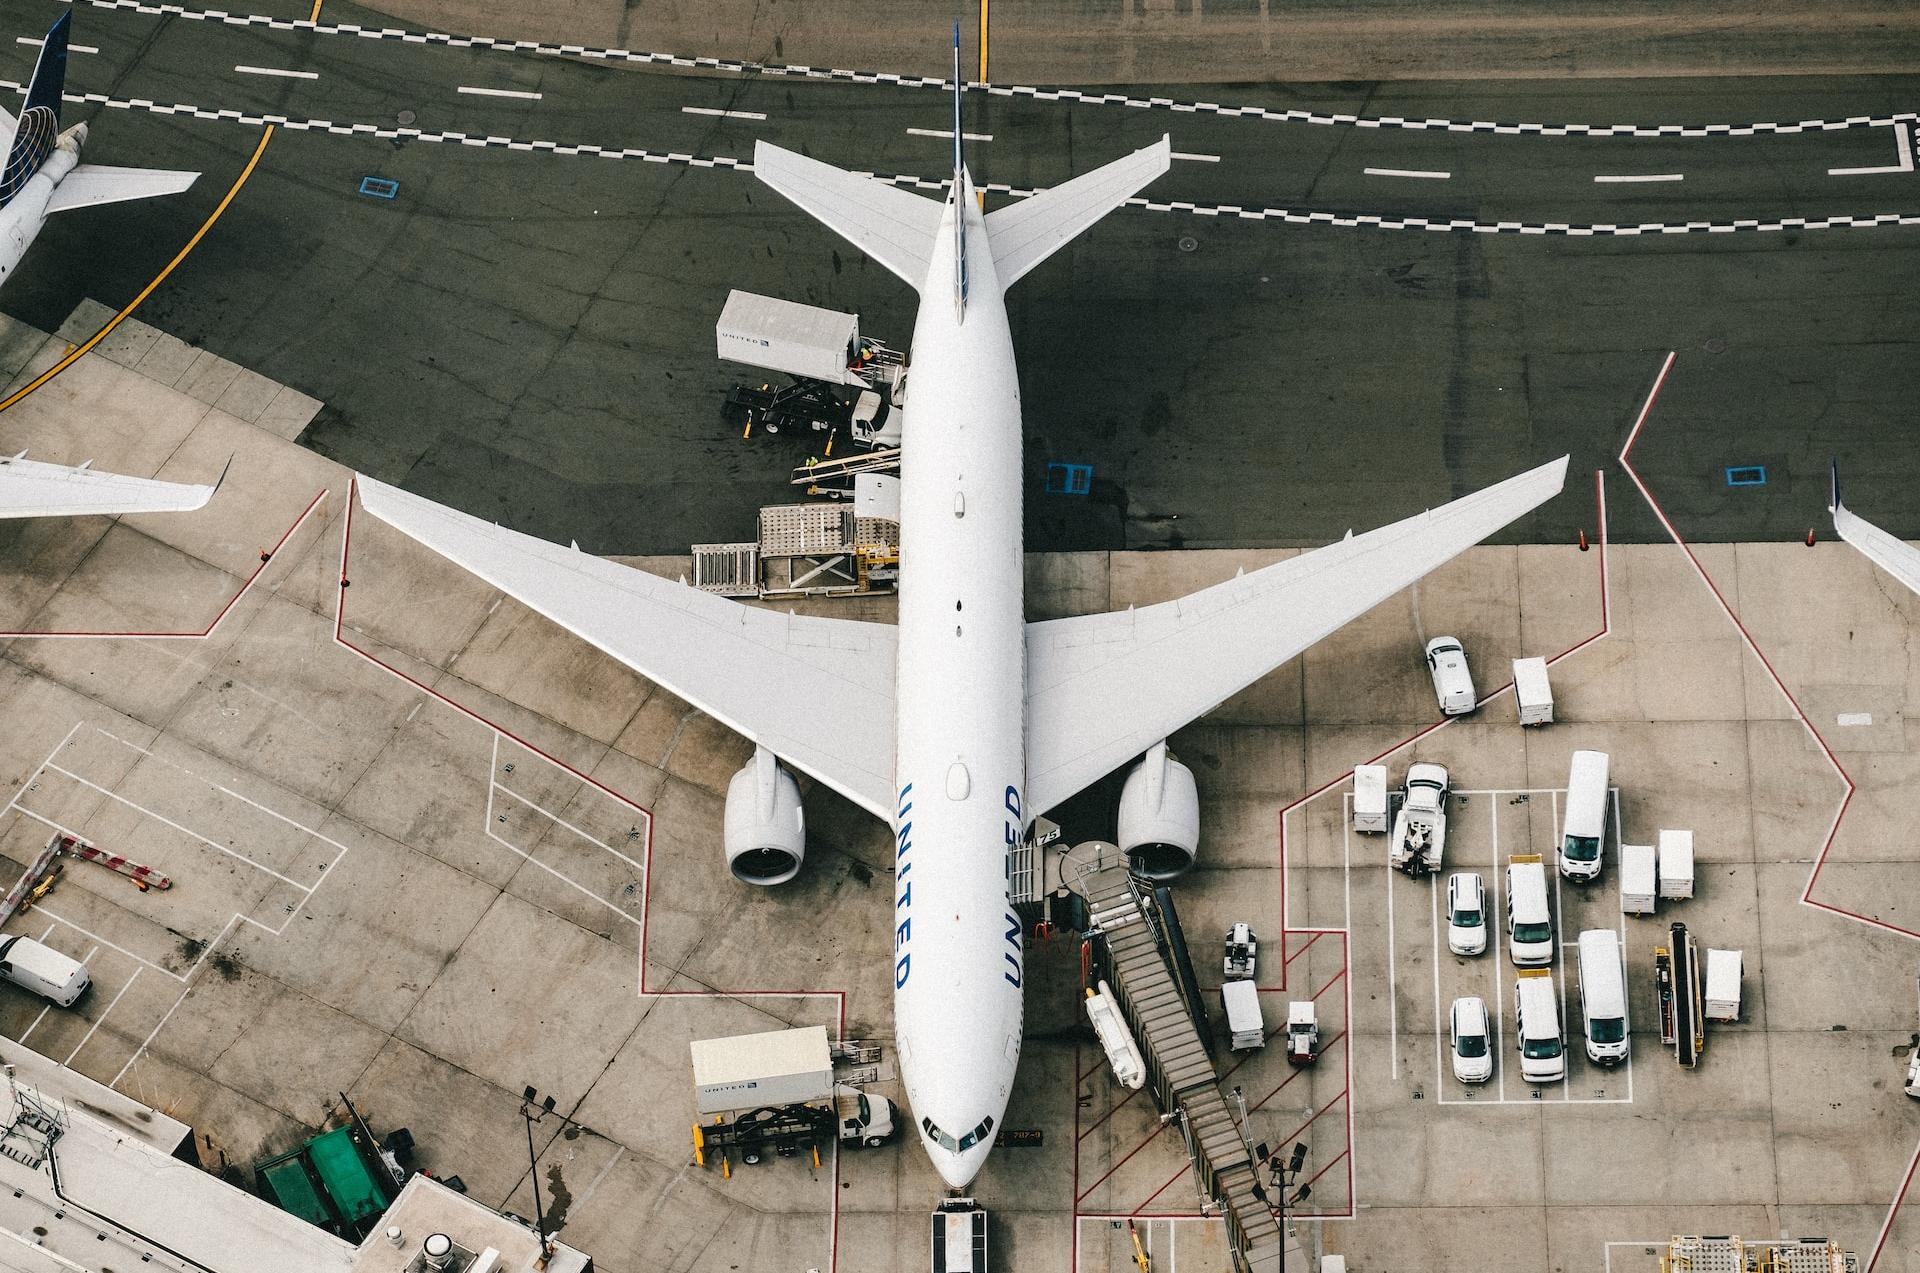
(1536, 1018)
(43, 970)
(1452, 682)
(1584, 833)
(1603, 996)
(1529, 920)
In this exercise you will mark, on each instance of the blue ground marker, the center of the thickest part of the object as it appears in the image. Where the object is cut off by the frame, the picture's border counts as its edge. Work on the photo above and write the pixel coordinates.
(1746, 475)
(379, 187)
(1069, 479)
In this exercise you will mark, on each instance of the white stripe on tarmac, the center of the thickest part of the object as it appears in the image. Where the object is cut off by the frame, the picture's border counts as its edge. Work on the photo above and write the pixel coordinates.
(1631, 178)
(274, 70)
(1198, 159)
(1904, 146)
(1421, 173)
(709, 110)
(948, 134)
(521, 94)
(71, 48)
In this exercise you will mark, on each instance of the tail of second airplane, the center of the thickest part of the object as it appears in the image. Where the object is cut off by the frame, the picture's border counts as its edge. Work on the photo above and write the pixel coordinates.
(38, 129)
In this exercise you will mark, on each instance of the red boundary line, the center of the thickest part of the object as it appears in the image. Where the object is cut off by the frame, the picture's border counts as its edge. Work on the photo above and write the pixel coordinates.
(1846, 798)
(840, 996)
(266, 559)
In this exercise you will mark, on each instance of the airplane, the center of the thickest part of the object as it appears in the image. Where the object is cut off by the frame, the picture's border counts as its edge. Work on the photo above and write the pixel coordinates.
(43, 173)
(963, 721)
(1889, 552)
(33, 488)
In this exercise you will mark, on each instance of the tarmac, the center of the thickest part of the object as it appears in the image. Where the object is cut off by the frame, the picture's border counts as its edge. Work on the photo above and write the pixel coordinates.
(428, 850)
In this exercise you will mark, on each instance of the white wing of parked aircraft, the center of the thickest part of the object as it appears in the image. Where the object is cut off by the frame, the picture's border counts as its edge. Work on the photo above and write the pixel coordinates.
(816, 692)
(1889, 552)
(1103, 688)
(90, 185)
(30, 488)
(890, 225)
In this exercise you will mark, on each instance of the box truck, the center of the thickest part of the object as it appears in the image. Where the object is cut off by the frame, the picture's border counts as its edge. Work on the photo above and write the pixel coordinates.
(1722, 999)
(1676, 865)
(776, 1092)
(1638, 876)
(1370, 799)
(1532, 691)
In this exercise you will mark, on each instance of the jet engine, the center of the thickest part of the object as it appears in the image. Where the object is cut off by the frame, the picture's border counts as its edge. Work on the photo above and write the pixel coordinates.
(1160, 815)
(766, 829)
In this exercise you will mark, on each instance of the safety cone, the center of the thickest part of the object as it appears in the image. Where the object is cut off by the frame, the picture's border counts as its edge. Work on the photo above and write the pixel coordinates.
(1583, 541)
(1809, 536)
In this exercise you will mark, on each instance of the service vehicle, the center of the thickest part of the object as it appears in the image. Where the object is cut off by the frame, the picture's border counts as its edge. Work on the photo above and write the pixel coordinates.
(840, 379)
(1472, 1035)
(1536, 1020)
(1603, 996)
(1466, 914)
(1584, 833)
(1303, 1032)
(1639, 875)
(1722, 999)
(959, 1237)
(1532, 691)
(776, 1093)
(1676, 865)
(1246, 1025)
(1452, 682)
(1912, 1085)
(1420, 828)
(1529, 918)
(1370, 799)
(43, 970)
(1243, 952)
(1123, 1053)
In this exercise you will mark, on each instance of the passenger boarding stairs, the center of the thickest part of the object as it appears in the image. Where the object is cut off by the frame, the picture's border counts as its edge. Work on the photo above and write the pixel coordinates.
(1179, 1070)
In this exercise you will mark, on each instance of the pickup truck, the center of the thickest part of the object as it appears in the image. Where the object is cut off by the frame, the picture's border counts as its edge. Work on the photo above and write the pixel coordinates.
(1420, 828)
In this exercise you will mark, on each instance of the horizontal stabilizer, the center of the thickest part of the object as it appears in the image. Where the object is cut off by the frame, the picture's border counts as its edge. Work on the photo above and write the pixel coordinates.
(1026, 233)
(816, 692)
(89, 185)
(887, 223)
(1103, 688)
(30, 488)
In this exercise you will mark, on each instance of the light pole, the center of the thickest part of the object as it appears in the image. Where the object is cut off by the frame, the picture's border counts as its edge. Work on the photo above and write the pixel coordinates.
(1283, 1177)
(534, 1113)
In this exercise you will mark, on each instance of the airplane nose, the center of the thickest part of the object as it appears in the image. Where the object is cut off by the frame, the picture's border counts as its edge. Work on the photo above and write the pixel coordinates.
(959, 1169)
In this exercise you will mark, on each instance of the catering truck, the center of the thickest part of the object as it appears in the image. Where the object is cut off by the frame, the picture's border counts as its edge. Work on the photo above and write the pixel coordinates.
(1420, 829)
(776, 1093)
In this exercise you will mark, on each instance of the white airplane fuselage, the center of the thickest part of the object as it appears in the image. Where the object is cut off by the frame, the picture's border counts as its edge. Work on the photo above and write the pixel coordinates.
(26, 212)
(960, 755)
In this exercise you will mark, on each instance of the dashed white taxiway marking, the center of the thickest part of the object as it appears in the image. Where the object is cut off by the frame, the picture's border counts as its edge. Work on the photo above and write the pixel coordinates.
(1631, 178)
(521, 94)
(1424, 174)
(1198, 159)
(948, 134)
(1903, 146)
(32, 42)
(274, 70)
(710, 110)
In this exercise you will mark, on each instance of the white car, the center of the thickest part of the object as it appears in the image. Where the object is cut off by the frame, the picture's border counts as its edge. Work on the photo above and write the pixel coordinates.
(1452, 682)
(1466, 914)
(1472, 1040)
(1913, 1073)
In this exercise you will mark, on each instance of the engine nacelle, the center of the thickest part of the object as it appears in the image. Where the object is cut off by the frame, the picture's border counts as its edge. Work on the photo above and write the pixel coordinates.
(765, 829)
(1160, 816)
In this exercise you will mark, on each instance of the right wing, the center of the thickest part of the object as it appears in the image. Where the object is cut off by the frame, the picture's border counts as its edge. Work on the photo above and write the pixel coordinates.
(890, 225)
(1103, 688)
(818, 693)
(1026, 233)
(30, 488)
(90, 185)
(1892, 554)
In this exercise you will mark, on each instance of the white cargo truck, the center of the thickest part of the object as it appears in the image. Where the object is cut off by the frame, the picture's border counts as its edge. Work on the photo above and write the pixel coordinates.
(801, 340)
(1420, 829)
(1639, 874)
(1245, 1024)
(1370, 799)
(1676, 865)
(1532, 691)
(776, 1092)
(1722, 999)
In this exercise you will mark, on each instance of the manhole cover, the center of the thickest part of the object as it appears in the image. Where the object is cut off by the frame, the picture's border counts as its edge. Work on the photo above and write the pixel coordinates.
(407, 117)
(1188, 243)
(1715, 346)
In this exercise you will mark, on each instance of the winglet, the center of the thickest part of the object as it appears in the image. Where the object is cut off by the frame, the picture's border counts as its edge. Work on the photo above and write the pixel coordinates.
(1833, 500)
(221, 481)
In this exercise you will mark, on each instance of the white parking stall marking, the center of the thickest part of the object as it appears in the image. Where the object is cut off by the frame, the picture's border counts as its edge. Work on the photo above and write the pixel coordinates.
(88, 1036)
(276, 71)
(495, 788)
(1194, 158)
(947, 133)
(1623, 179)
(34, 43)
(520, 94)
(1421, 174)
(1903, 147)
(715, 111)
(1393, 962)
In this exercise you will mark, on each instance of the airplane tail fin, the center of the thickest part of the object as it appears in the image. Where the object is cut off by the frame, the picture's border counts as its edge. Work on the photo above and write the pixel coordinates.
(39, 128)
(894, 227)
(1026, 233)
(959, 185)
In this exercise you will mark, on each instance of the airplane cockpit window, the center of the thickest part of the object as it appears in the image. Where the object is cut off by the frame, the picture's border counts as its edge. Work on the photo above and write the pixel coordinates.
(964, 1143)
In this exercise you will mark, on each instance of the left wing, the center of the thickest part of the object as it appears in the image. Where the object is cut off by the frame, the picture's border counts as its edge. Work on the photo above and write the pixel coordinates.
(1103, 688)
(30, 488)
(91, 184)
(1892, 554)
(818, 693)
